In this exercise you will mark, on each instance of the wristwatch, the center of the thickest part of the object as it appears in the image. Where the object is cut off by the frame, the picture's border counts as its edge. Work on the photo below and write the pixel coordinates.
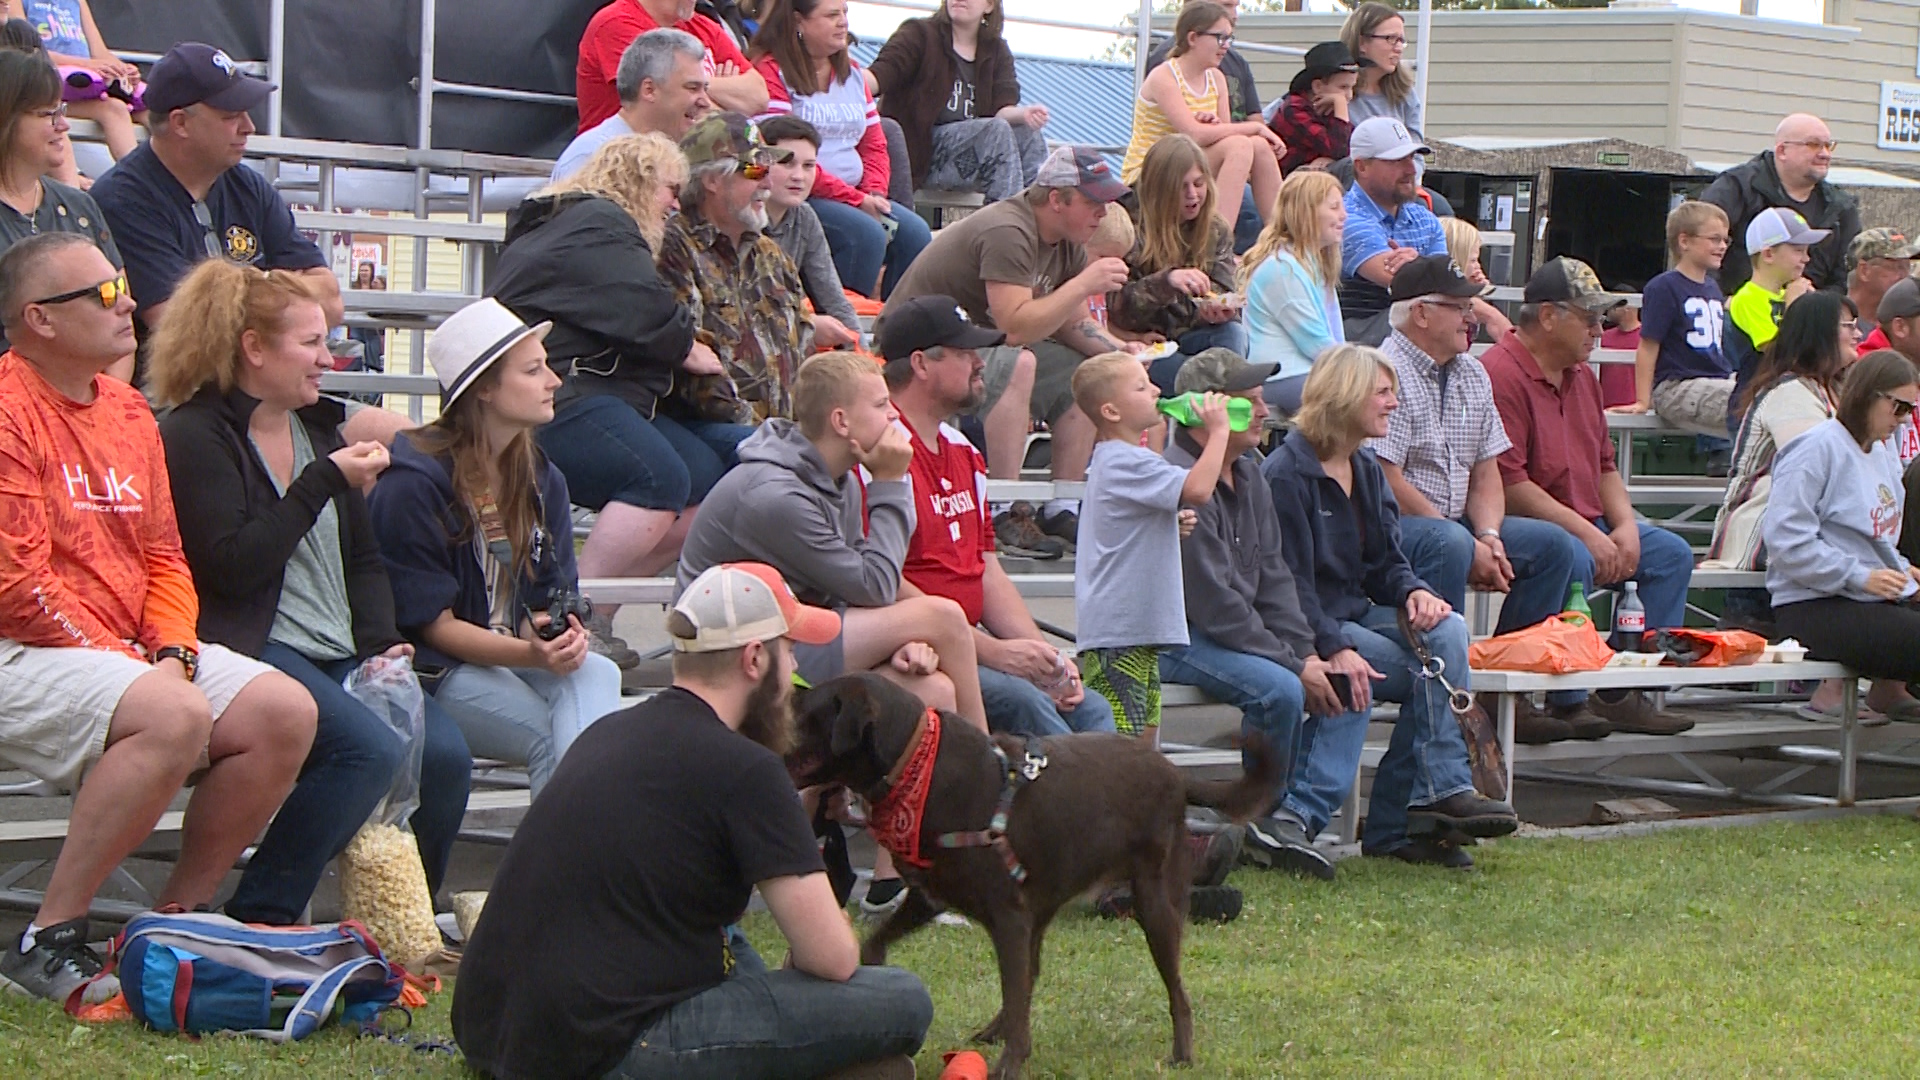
(1487, 534)
(188, 656)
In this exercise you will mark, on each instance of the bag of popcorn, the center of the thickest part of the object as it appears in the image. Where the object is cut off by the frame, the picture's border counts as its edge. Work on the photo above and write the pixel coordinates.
(382, 883)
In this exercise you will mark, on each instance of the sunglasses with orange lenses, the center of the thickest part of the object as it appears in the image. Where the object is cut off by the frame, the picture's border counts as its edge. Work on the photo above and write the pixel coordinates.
(754, 168)
(107, 292)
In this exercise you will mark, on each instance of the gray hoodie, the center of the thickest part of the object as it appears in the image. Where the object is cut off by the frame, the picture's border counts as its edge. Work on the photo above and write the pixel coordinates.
(1833, 516)
(779, 507)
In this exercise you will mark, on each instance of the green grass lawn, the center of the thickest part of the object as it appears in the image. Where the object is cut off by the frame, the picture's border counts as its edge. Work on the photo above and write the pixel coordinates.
(1788, 950)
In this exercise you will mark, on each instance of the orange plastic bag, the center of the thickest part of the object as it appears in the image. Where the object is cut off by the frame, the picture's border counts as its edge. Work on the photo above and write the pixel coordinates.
(1566, 642)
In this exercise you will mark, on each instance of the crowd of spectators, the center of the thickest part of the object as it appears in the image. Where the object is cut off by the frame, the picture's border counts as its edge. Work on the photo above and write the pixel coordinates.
(673, 337)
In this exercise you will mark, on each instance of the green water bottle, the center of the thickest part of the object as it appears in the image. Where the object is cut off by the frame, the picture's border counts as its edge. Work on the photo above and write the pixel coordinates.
(1578, 601)
(1185, 411)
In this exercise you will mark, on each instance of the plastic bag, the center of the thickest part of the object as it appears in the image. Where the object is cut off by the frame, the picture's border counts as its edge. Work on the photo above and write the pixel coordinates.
(382, 882)
(1711, 648)
(1557, 645)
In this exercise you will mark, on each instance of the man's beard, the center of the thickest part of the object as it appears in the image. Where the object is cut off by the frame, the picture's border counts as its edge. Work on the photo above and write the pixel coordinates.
(753, 216)
(768, 719)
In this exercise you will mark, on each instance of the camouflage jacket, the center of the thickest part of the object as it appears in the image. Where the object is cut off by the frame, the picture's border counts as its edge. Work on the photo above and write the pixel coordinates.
(1150, 303)
(746, 305)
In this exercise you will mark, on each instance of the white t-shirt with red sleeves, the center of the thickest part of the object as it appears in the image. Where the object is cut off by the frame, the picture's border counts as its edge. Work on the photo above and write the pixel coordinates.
(953, 532)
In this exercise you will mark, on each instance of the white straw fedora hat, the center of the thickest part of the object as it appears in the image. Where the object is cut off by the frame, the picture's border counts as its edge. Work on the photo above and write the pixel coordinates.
(470, 341)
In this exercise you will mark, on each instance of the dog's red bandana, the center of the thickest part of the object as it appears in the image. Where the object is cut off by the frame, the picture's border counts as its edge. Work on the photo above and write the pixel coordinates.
(894, 821)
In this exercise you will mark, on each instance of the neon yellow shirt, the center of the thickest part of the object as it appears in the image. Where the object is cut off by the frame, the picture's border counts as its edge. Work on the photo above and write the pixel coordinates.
(1757, 312)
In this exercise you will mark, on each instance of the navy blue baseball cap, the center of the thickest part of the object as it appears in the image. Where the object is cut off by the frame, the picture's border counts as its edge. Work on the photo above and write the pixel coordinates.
(195, 74)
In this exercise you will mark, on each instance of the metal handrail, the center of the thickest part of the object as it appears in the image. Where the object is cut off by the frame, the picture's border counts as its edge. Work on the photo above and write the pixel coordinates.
(1093, 28)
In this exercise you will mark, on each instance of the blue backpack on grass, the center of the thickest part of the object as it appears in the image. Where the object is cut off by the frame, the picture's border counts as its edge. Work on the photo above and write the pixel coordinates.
(191, 973)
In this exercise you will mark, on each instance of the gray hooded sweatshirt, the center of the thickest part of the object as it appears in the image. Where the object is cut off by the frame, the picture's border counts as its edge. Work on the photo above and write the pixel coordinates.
(1833, 516)
(779, 507)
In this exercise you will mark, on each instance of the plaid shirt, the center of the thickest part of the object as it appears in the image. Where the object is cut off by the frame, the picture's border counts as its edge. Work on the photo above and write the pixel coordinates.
(1308, 135)
(1436, 436)
(745, 305)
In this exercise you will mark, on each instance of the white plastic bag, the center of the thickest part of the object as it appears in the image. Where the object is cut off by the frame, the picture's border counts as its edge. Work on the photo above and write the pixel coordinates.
(382, 882)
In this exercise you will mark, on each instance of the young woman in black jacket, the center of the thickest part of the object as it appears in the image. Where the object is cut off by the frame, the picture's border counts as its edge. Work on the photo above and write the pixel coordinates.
(625, 432)
(286, 564)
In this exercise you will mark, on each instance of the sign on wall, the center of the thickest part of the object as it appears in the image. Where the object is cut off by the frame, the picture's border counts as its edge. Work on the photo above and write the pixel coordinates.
(1899, 116)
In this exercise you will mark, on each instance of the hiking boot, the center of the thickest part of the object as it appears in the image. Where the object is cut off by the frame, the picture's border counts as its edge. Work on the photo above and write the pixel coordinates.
(1426, 853)
(1531, 727)
(1465, 813)
(1214, 855)
(1281, 843)
(59, 967)
(1063, 526)
(606, 644)
(1582, 720)
(1636, 715)
(1016, 531)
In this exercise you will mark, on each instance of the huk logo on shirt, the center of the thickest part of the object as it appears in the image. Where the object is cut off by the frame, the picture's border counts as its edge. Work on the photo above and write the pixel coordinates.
(111, 494)
(242, 245)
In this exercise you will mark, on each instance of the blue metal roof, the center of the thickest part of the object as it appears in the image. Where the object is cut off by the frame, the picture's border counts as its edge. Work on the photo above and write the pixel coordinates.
(1090, 102)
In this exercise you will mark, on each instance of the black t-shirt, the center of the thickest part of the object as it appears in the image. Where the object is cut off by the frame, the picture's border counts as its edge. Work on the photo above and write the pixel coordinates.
(153, 223)
(959, 103)
(613, 897)
(62, 209)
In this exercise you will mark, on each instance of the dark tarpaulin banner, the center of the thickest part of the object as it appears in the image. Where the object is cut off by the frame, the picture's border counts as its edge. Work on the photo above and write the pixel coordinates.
(350, 65)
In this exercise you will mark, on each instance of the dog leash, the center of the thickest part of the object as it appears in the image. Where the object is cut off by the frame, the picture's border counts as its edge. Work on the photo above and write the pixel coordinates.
(1433, 667)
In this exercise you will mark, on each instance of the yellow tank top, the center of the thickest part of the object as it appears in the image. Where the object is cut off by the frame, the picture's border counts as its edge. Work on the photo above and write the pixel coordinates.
(1150, 124)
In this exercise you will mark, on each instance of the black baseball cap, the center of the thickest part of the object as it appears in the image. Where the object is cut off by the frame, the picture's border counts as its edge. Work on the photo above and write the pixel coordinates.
(1433, 275)
(193, 74)
(925, 322)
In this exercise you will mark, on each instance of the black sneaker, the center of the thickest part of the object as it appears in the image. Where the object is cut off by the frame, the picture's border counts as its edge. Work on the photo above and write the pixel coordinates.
(1063, 526)
(58, 967)
(1426, 853)
(1278, 843)
(1465, 813)
(884, 897)
(1205, 903)
(1016, 531)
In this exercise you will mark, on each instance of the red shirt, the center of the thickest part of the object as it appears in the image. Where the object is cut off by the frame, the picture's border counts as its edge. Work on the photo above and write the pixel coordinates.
(952, 534)
(1559, 433)
(1875, 340)
(608, 34)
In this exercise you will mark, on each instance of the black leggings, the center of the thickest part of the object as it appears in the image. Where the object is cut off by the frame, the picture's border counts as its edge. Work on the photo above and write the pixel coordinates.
(1878, 640)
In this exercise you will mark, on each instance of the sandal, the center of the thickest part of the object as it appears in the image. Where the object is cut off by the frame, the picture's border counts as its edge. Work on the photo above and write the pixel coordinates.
(1865, 718)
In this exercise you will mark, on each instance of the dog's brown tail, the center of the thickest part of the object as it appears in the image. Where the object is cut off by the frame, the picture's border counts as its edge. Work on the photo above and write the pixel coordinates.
(1243, 798)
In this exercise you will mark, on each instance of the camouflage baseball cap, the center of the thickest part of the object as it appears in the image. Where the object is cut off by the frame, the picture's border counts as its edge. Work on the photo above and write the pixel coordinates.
(728, 136)
(1565, 280)
(1221, 371)
(1880, 244)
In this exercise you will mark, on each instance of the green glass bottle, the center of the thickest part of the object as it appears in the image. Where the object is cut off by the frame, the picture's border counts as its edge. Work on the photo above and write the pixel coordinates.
(1578, 601)
(1185, 411)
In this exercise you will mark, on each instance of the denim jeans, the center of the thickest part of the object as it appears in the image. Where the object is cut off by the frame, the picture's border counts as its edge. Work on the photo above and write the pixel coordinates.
(776, 1024)
(1543, 556)
(860, 245)
(347, 773)
(1426, 760)
(1231, 336)
(1666, 567)
(1323, 752)
(608, 453)
(528, 715)
(1017, 707)
(1247, 229)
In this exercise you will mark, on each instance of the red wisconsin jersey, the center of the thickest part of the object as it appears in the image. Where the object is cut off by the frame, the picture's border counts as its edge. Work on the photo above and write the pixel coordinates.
(952, 533)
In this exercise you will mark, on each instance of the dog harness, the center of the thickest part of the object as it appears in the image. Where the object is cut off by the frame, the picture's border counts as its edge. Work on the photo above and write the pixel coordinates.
(895, 820)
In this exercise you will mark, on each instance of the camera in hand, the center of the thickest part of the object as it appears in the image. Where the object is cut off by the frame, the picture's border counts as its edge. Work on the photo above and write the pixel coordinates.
(562, 604)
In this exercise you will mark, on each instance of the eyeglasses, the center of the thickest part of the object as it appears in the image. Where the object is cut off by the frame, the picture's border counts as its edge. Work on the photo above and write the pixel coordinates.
(110, 291)
(754, 170)
(1902, 408)
(1225, 39)
(58, 112)
(1396, 40)
(1464, 310)
(212, 242)
(1817, 144)
(1590, 318)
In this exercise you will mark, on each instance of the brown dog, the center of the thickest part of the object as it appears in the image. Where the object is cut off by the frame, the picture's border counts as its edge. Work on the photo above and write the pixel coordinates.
(1103, 808)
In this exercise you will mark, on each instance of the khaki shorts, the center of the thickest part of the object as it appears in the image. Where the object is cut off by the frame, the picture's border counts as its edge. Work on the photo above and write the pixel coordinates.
(56, 704)
(1696, 405)
(1054, 365)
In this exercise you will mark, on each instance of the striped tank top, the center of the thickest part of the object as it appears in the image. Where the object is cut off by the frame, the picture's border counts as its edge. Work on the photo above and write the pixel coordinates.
(1150, 124)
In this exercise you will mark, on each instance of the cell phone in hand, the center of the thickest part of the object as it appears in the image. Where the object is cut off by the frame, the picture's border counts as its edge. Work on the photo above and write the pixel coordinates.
(1342, 688)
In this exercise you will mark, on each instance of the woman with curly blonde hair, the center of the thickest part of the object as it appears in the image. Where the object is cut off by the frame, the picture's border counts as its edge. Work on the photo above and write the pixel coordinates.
(286, 564)
(580, 255)
(1289, 276)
